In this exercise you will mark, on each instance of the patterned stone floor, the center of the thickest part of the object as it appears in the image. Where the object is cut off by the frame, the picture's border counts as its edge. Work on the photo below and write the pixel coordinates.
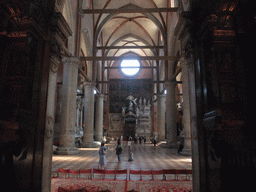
(146, 157)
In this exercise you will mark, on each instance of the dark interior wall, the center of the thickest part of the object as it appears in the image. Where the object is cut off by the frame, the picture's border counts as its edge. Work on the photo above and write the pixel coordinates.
(24, 64)
(222, 33)
(246, 24)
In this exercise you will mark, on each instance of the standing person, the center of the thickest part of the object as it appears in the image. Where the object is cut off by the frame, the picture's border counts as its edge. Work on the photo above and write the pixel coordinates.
(129, 144)
(118, 141)
(102, 152)
(154, 141)
(80, 141)
(130, 155)
(181, 142)
(119, 151)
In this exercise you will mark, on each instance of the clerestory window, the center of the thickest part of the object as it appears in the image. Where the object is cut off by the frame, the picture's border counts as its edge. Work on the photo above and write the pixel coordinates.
(130, 67)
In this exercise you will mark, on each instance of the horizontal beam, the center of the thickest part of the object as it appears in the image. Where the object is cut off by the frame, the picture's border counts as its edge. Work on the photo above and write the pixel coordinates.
(135, 94)
(113, 82)
(141, 67)
(117, 82)
(131, 47)
(142, 10)
(144, 93)
(129, 58)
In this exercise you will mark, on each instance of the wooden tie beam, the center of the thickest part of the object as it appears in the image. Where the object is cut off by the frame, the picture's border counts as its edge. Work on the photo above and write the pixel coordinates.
(142, 10)
(141, 67)
(130, 47)
(158, 58)
(152, 82)
(111, 82)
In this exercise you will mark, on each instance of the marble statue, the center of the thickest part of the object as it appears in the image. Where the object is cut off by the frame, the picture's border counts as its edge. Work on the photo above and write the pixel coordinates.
(132, 101)
(123, 111)
(144, 101)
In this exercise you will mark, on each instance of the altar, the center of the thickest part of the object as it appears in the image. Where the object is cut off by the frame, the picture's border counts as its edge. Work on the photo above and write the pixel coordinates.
(135, 119)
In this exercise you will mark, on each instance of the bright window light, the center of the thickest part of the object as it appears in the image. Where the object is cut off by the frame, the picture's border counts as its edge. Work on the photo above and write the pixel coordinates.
(130, 67)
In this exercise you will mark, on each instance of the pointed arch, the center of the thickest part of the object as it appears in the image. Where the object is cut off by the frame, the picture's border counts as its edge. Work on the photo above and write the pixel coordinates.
(148, 15)
(133, 36)
(127, 54)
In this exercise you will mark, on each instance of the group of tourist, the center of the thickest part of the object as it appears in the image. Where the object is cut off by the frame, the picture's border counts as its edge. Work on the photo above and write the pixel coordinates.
(103, 151)
(140, 139)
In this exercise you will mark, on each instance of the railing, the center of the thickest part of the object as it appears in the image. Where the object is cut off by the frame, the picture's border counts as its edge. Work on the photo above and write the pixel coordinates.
(164, 174)
(69, 173)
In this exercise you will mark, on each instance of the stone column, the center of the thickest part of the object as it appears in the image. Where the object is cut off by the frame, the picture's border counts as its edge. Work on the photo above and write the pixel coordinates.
(99, 117)
(88, 114)
(79, 117)
(58, 112)
(161, 116)
(68, 110)
(171, 110)
(48, 135)
(186, 109)
(154, 118)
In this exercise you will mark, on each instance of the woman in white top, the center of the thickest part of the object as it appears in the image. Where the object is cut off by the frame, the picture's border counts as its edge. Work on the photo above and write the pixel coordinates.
(102, 152)
(129, 144)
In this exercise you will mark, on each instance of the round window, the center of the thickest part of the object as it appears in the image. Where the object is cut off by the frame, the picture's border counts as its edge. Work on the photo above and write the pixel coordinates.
(130, 67)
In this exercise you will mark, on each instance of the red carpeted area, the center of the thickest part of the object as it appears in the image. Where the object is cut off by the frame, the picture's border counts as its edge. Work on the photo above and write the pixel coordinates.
(97, 181)
(121, 186)
(88, 185)
(153, 169)
(160, 186)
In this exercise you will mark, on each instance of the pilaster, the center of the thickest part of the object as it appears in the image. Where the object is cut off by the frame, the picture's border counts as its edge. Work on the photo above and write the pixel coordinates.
(49, 124)
(59, 31)
(186, 109)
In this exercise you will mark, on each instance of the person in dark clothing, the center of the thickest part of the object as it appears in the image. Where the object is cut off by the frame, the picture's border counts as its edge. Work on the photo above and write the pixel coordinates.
(119, 151)
(181, 142)
(154, 141)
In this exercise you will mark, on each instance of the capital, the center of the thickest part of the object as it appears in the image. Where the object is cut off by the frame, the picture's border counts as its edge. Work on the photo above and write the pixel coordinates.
(54, 63)
(88, 83)
(161, 95)
(100, 96)
(75, 61)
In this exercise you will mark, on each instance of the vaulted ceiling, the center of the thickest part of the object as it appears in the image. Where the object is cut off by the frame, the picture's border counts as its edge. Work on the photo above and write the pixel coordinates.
(130, 29)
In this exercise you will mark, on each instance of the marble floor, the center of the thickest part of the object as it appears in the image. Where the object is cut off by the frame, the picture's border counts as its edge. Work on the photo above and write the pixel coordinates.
(146, 157)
